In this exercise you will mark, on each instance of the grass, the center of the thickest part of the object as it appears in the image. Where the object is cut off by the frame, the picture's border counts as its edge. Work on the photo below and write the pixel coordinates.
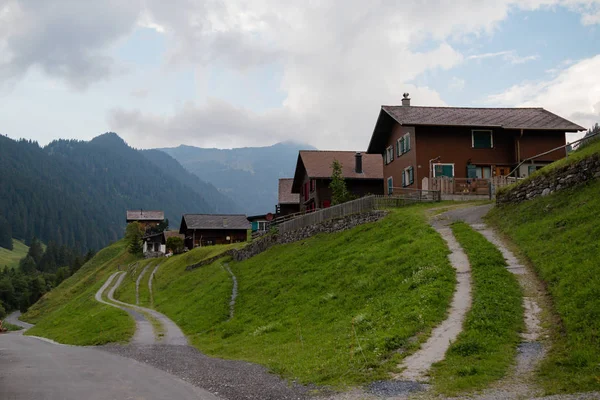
(335, 309)
(70, 314)
(11, 258)
(559, 234)
(486, 348)
(126, 291)
(11, 327)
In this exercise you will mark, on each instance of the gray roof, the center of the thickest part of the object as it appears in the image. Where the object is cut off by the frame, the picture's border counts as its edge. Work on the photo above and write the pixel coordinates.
(507, 118)
(216, 221)
(145, 215)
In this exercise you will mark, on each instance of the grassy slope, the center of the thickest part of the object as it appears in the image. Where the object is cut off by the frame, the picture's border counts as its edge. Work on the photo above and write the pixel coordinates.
(332, 309)
(70, 314)
(560, 235)
(126, 292)
(12, 257)
(486, 348)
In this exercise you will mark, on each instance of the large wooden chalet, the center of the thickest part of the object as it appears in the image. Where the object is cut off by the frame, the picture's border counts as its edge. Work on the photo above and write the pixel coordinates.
(421, 143)
(211, 229)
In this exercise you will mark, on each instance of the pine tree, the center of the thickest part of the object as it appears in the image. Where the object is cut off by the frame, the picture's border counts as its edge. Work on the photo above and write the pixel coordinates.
(133, 234)
(36, 252)
(339, 192)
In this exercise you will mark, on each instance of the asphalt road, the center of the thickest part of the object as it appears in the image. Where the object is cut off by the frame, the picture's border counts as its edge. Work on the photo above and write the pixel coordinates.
(34, 369)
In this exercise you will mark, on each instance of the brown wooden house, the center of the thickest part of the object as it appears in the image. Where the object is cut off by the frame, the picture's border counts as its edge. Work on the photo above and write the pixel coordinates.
(211, 229)
(288, 203)
(418, 143)
(147, 218)
(363, 174)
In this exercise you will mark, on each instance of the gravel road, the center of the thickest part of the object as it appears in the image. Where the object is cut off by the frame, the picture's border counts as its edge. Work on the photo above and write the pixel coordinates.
(232, 380)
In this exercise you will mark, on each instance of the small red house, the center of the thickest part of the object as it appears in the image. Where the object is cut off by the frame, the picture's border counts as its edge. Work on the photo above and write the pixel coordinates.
(363, 174)
(419, 143)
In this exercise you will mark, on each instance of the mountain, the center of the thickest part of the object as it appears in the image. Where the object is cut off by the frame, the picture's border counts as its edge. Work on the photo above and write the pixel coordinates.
(248, 175)
(76, 193)
(220, 202)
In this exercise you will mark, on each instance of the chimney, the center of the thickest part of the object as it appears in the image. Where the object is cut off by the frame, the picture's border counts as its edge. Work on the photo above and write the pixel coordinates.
(358, 163)
(405, 100)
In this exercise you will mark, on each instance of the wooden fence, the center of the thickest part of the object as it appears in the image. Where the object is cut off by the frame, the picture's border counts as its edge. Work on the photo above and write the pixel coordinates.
(470, 186)
(364, 204)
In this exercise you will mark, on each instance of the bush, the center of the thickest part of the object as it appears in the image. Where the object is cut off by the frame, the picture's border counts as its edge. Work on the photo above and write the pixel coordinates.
(175, 244)
(2, 311)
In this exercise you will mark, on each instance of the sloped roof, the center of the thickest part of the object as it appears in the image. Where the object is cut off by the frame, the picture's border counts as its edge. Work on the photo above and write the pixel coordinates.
(507, 118)
(216, 221)
(169, 234)
(285, 192)
(317, 164)
(145, 215)
(502, 118)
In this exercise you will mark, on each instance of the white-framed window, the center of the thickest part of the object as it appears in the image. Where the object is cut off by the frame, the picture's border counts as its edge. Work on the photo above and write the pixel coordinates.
(441, 169)
(403, 145)
(408, 176)
(390, 185)
(389, 154)
(482, 139)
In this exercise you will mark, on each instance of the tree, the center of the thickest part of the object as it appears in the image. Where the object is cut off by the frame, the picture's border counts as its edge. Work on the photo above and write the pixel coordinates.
(161, 227)
(175, 244)
(5, 234)
(36, 252)
(339, 192)
(133, 234)
(27, 265)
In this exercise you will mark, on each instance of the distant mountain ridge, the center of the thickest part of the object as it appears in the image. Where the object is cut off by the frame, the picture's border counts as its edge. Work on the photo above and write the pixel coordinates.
(248, 175)
(76, 192)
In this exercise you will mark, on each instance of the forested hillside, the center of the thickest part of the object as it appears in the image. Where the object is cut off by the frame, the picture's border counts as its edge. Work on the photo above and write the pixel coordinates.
(75, 193)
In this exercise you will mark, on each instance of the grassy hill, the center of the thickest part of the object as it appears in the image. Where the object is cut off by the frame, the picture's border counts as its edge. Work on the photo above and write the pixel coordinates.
(336, 309)
(69, 314)
(560, 235)
(11, 258)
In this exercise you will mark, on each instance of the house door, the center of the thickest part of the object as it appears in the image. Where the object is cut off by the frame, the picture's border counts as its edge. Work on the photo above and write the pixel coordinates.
(502, 171)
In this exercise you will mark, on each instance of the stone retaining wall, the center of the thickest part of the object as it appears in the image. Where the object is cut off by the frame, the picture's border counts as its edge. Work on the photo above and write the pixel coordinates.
(265, 242)
(559, 179)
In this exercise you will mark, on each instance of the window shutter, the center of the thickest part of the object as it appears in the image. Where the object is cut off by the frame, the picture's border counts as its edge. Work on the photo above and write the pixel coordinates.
(392, 153)
(398, 153)
(407, 142)
(403, 178)
(402, 145)
(411, 176)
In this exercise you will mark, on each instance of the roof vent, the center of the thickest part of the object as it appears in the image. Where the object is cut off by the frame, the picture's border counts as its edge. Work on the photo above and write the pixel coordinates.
(405, 100)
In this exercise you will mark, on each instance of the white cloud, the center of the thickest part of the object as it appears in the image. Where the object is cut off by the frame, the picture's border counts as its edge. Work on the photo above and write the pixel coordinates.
(574, 93)
(510, 56)
(456, 84)
(339, 59)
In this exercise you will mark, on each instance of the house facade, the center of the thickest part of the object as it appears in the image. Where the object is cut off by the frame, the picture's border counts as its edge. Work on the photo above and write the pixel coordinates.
(363, 174)
(288, 202)
(211, 229)
(147, 218)
(156, 243)
(420, 143)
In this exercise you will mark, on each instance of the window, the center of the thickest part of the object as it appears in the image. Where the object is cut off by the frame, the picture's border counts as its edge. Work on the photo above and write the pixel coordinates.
(390, 185)
(479, 171)
(389, 154)
(408, 177)
(403, 145)
(443, 170)
(482, 139)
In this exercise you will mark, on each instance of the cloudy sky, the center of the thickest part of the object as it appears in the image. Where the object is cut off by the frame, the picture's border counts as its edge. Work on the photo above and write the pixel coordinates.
(239, 73)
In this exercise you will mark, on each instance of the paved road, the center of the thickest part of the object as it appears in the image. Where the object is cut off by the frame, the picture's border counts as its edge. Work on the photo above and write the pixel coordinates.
(14, 319)
(33, 369)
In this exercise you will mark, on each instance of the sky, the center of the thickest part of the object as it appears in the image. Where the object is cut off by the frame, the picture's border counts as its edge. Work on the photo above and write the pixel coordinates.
(238, 73)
